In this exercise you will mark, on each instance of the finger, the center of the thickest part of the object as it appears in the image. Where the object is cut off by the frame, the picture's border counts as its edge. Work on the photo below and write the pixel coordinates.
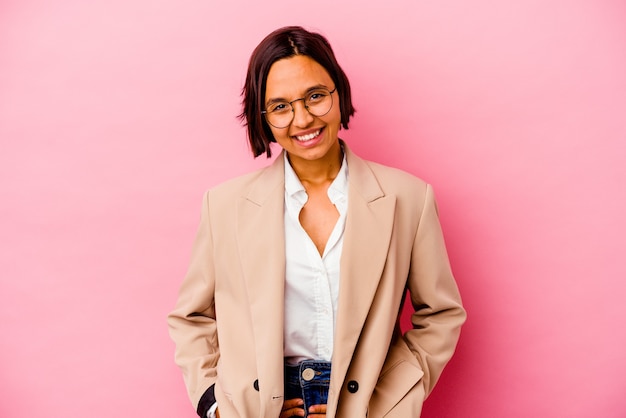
(292, 403)
(317, 409)
(294, 412)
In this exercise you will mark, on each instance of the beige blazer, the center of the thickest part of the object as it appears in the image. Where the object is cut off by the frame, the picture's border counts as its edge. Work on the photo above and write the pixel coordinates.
(228, 320)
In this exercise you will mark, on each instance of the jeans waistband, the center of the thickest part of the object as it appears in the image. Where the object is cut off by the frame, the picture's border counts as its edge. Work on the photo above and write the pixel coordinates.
(307, 371)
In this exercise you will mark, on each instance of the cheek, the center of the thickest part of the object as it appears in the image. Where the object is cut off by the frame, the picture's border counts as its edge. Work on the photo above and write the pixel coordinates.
(335, 118)
(278, 133)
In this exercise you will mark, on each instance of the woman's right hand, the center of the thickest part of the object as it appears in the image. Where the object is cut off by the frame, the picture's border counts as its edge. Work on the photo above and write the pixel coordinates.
(292, 408)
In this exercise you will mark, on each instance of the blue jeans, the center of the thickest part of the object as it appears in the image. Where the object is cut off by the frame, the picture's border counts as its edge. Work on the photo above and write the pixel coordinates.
(308, 380)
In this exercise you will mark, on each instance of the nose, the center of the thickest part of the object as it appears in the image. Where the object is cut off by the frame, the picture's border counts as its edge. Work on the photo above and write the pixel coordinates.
(301, 116)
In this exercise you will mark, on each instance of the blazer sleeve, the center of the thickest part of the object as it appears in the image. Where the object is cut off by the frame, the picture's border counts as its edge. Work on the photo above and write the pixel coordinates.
(192, 323)
(438, 313)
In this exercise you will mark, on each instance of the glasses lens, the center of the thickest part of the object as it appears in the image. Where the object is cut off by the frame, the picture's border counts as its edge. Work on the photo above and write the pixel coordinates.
(279, 114)
(317, 102)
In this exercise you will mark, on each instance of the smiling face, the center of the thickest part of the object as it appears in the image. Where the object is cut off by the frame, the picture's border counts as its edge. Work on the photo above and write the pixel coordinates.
(308, 138)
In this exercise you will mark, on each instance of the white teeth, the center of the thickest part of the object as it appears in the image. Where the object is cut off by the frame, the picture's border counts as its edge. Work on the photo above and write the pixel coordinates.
(308, 137)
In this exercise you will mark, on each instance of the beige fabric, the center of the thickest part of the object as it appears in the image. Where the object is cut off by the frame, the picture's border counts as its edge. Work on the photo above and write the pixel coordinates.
(228, 320)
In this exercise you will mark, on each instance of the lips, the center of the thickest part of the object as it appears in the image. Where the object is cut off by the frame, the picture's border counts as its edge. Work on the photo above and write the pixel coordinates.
(309, 136)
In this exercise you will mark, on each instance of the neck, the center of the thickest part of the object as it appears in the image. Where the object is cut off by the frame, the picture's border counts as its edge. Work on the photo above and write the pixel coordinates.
(318, 172)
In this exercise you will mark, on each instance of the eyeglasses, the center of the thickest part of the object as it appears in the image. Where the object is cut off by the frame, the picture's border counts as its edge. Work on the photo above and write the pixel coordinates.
(317, 102)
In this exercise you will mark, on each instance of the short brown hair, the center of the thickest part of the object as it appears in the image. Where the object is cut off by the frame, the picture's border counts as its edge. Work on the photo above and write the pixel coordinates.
(283, 43)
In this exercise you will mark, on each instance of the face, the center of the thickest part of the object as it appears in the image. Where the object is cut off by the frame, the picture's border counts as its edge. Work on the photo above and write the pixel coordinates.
(308, 138)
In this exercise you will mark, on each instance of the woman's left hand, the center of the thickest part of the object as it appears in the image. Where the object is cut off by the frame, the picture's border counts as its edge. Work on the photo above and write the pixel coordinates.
(317, 411)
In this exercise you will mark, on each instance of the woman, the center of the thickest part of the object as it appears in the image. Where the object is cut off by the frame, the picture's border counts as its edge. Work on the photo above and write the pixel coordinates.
(298, 273)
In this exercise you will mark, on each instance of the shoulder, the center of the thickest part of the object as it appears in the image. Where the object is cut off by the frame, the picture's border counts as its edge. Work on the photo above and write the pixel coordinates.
(413, 196)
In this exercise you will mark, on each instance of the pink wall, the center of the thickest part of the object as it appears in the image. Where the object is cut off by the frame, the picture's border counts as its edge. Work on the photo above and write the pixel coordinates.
(115, 116)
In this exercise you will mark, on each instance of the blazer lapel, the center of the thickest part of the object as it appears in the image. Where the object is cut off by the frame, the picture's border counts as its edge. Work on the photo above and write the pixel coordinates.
(366, 242)
(260, 236)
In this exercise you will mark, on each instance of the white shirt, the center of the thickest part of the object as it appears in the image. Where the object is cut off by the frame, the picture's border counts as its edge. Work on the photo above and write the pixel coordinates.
(311, 281)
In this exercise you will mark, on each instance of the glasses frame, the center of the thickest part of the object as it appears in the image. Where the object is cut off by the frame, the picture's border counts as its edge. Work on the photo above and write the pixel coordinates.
(293, 109)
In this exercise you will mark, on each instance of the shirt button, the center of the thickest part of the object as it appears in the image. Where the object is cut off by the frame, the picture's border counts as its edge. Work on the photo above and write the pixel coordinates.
(256, 385)
(353, 386)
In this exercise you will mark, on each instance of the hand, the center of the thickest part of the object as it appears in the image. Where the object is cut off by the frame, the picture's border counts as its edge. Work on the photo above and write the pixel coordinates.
(292, 408)
(317, 411)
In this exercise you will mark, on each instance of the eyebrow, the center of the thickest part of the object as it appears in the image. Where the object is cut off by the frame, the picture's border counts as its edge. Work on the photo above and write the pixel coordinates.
(307, 91)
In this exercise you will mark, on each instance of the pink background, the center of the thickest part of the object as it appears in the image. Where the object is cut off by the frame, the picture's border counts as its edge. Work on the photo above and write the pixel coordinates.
(116, 115)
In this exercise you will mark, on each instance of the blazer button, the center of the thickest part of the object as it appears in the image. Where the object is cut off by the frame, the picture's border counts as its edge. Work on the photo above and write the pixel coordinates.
(256, 385)
(353, 386)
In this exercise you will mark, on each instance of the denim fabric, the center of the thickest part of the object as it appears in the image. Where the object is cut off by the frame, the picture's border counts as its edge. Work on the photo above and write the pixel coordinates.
(313, 391)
